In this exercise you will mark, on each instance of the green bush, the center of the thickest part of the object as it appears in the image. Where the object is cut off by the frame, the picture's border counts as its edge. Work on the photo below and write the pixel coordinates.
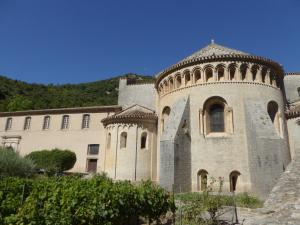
(13, 192)
(71, 200)
(53, 161)
(12, 164)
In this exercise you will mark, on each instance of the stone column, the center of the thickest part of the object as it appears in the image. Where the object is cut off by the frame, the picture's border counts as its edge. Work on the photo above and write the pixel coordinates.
(201, 121)
(259, 75)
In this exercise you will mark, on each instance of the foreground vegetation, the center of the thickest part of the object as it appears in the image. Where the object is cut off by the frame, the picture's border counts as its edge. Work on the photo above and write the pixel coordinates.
(71, 200)
(18, 95)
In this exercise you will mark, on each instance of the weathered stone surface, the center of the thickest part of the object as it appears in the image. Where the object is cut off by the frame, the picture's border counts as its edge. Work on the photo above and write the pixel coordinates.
(283, 204)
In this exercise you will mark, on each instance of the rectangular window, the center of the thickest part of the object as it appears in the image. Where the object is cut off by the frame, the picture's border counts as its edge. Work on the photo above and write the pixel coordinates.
(65, 122)
(27, 123)
(91, 165)
(46, 123)
(85, 121)
(93, 149)
(8, 124)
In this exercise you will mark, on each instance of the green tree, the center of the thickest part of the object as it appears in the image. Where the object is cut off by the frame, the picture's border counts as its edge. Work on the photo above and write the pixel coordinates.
(12, 164)
(18, 103)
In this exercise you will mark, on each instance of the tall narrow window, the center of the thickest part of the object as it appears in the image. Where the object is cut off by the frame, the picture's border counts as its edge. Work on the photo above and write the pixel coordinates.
(233, 177)
(123, 140)
(27, 123)
(274, 116)
(93, 149)
(298, 91)
(65, 122)
(216, 114)
(85, 121)
(144, 140)
(8, 124)
(164, 117)
(202, 180)
(108, 143)
(46, 123)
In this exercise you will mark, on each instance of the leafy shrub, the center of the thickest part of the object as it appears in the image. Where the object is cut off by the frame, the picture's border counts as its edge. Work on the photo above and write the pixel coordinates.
(13, 191)
(71, 200)
(12, 164)
(53, 161)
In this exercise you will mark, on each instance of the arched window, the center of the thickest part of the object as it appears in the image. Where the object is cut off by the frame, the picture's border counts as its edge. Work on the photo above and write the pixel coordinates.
(8, 124)
(166, 87)
(65, 122)
(143, 140)
(216, 114)
(233, 177)
(243, 69)
(298, 90)
(202, 180)
(27, 123)
(171, 84)
(46, 123)
(197, 75)
(85, 121)
(164, 117)
(221, 73)
(254, 72)
(187, 78)
(123, 140)
(263, 74)
(108, 143)
(273, 112)
(232, 70)
(209, 74)
(178, 81)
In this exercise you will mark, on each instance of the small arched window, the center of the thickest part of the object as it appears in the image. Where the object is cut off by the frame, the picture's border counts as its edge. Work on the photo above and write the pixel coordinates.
(243, 69)
(165, 116)
(216, 114)
(273, 111)
(209, 74)
(232, 70)
(144, 140)
(202, 180)
(187, 78)
(85, 121)
(171, 83)
(108, 143)
(123, 140)
(197, 75)
(178, 81)
(221, 74)
(233, 177)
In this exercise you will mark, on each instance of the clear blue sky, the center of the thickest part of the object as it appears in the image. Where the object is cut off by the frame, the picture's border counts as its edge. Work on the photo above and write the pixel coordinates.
(73, 41)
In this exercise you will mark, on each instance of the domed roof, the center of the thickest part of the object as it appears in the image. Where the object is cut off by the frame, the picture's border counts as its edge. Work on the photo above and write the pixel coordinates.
(214, 50)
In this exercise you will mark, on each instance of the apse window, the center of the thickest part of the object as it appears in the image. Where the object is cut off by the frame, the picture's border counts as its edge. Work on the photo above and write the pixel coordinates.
(202, 180)
(93, 149)
(216, 114)
(144, 140)
(123, 140)
(233, 177)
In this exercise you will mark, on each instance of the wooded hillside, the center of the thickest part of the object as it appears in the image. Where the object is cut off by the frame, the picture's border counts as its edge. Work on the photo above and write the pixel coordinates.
(17, 95)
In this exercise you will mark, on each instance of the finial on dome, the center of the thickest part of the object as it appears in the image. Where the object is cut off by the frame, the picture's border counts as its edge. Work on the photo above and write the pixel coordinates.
(212, 41)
